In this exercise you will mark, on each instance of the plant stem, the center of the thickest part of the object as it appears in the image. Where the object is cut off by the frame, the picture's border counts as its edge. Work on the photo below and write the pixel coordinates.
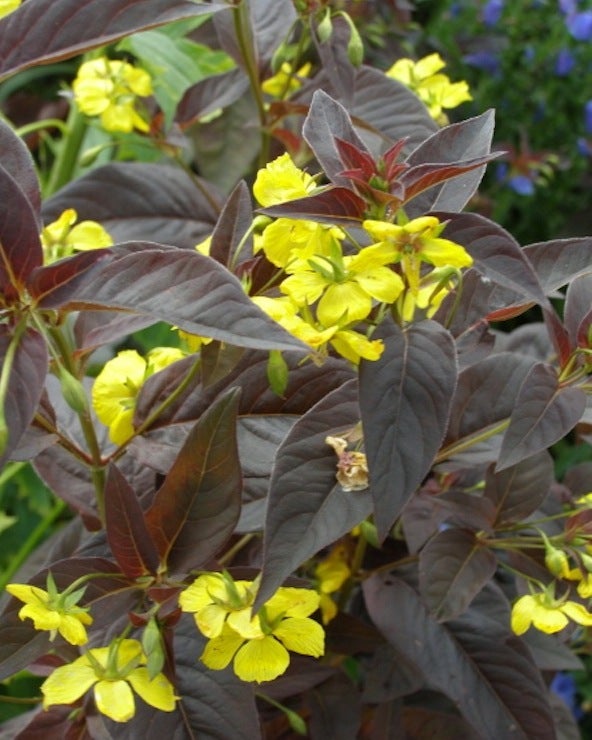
(466, 443)
(67, 158)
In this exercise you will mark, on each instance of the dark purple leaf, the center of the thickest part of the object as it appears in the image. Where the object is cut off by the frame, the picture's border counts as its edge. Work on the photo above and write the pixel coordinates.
(25, 383)
(66, 275)
(559, 261)
(268, 22)
(234, 222)
(18, 162)
(519, 490)
(211, 94)
(307, 384)
(327, 120)
(475, 660)
(307, 510)
(467, 139)
(335, 709)
(95, 328)
(127, 533)
(179, 286)
(218, 360)
(197, 507)
(425, 723)
(20, 246)
(453, 567)
(577, 314)
(544, 412)
(332, 205)
(404, 399)
(496, 253)
(44, 31)
(141, 201)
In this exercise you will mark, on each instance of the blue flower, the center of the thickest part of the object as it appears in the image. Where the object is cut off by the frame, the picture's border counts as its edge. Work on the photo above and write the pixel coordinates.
(567, 7)
(564, 686)
(588, 117)
(521, 184)
(486, 60)
(580, 25)
(492, 11)
(564, 62)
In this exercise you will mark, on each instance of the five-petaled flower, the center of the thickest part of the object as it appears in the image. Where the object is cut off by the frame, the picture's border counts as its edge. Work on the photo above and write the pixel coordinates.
(257, 645)
(109, 88)
(547, 614)
(52, 611)
(113, 671)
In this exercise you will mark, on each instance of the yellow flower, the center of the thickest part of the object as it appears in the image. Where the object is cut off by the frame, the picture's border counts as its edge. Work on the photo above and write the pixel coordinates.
(109, 89)
(418, 241)
(331, 573)
(212, 597)
(7, 6)
(344, 285)
(258, 645)
(431, 291)
(62, 237)
(285, 80)
(113, 672)
(117, 386)
(433, 89)
(52, 611)
(288, 238)
(546, 613)
(280, 181)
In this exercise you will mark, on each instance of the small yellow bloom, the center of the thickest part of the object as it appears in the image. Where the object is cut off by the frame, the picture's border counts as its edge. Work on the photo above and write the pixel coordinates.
(7, 6)
(547, 614)
(115, 672)
(56, 613)
(331, 573)
(64, 236)
(281, 181)
(285, 80)
(258, 645)
(117, 386)
(287, 239)
(109, 89)
(434, 89)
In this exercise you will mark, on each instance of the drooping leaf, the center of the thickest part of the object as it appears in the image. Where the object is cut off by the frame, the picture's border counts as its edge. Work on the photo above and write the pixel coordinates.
(25, 383)
(458, 141)
(141, 201)
(453, 567)
(404, 401)
(210, 95)
(20, 245)
(307, 510)
(474, 660)
(518, 490)
(577, 313)
(332, 205)
(18, 162)
(544, 412)
(179, 286)
(559, 261)
(48, 30)
(496, 253)
(127, 533)
(326, 120)
(196, 509)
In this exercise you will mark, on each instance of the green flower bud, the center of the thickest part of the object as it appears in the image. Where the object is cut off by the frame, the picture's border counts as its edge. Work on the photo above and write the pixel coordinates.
(325, 27)
(152, 647)
(73, 391)
(277, 372)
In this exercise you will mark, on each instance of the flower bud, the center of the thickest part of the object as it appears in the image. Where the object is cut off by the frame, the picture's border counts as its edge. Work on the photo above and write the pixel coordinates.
(277, 372)
(73, 391)
(325, 27)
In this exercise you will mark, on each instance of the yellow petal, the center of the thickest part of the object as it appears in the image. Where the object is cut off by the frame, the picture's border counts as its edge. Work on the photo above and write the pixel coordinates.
(429, 65)
(381, 283)
(443, 252)
(115, 700)
(344, 302)
(353, 346)
(43, 618)
(293, 602)
(72, 630)
(157, 692)
(68, 683)
(220, 650)
(301, 636)
(281, 181)
(577, 612)
(28, 594)
(210, 620)
(88, 235)
(549, 619)
(522, 614)
(7, 6)
(261, 660)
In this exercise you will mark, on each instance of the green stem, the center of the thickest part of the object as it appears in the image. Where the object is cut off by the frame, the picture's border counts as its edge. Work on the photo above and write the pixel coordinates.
(231, 552)
(5, 375)
(241, 25)
(67, 157)
(466, 443)
(30, 128)
(36, 536)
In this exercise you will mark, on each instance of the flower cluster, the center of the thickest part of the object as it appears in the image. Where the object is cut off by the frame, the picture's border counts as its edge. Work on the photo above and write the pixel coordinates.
(432, 87)
(110, 89)
(256, 644)
(116, 387)
(64, 236)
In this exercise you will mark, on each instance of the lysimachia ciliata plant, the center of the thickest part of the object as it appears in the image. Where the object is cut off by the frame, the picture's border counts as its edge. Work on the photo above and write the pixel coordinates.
(323, 501)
